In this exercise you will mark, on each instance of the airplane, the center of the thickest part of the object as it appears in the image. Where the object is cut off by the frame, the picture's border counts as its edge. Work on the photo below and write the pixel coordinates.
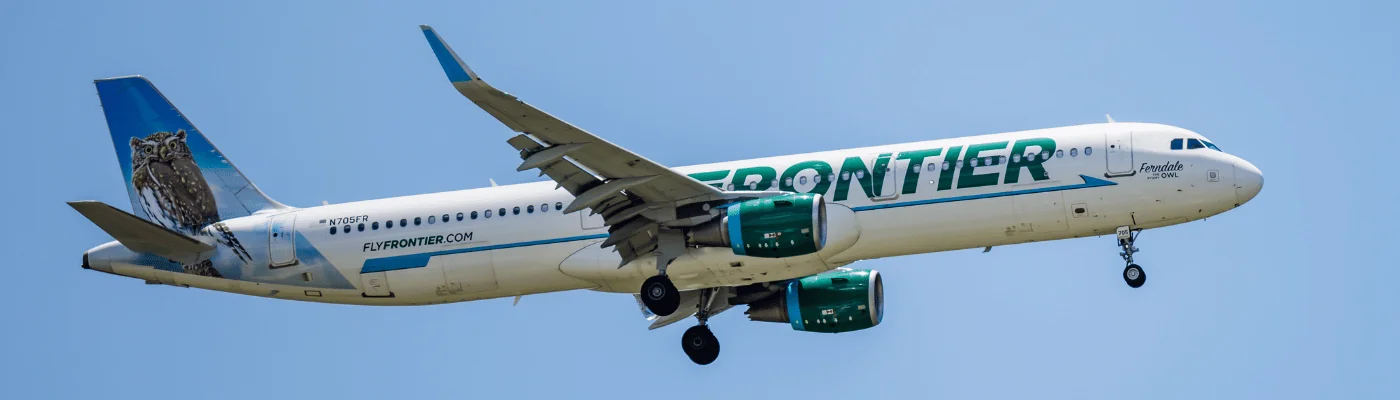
(778, 235)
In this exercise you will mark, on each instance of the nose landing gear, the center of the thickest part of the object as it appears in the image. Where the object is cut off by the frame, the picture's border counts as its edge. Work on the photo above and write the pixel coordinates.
(698, 342)
(1132, 274)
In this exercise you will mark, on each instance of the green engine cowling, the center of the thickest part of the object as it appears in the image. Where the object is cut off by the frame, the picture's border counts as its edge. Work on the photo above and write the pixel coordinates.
(837, 301)
(772, 227)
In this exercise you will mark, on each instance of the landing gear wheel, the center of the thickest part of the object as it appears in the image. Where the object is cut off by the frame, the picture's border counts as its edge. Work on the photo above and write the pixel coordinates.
(700, 344)
(660, 296)
(1134, 275)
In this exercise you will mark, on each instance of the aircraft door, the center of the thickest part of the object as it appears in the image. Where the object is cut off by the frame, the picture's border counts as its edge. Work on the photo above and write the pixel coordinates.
(1118, 151)
(470, 272)
(281, 240)
(375, 284)
(889, 185)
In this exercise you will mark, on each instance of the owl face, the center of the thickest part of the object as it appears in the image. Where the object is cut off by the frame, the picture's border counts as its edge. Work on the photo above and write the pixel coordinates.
(162, 147)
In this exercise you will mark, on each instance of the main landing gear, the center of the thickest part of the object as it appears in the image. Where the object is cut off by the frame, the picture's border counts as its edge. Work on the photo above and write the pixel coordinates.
(658, 293)
(1133, 274)
(698, 342)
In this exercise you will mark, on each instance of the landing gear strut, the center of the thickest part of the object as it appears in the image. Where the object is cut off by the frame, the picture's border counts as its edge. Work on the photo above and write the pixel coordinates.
(1132, 274)
(658, 293)
(698, 342)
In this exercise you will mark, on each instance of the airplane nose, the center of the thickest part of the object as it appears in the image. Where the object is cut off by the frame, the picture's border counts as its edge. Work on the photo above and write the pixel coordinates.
(1248, 182)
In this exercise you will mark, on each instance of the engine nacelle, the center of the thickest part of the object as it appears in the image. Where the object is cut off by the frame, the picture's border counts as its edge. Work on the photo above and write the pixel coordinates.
(841, 300)
(771, 227)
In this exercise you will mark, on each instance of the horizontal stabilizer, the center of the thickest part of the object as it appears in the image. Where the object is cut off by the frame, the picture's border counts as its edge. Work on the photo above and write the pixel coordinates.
(140, 235)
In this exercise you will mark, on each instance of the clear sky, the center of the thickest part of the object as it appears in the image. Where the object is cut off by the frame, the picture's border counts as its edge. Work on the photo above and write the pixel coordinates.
(1291, 296)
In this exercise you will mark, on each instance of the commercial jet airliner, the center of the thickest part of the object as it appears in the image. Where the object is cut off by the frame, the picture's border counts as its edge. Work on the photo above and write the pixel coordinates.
(777, 234)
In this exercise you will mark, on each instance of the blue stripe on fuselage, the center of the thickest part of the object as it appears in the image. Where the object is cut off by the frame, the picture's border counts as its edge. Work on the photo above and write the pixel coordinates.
(420, 260)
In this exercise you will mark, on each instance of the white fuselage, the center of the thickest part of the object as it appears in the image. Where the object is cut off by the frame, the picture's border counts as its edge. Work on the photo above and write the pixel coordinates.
(1097, 178)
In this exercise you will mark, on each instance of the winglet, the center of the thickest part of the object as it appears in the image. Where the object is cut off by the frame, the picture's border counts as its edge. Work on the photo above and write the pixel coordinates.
(457, 71)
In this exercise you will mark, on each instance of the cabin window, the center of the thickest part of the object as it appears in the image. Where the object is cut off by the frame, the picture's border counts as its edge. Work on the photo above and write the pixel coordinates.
(1074, 152)
(860, 174)
(972, 162)
(501, 212)
(417, 221)
(1044, 155)
(389, 224)
(360, 228)
(403, 222)
(515, 211)
(558, 206)
(544, 207)
(345, 229)
(787, 181)
(432, 219)
(332, 230)
(1176, 144)
(446, 218)
(460, 217)
(1059, 154)
(488, 213)
(374, 226)
(830, 177)
(845, 176)
(474, 214)
(931, 167)
(802, 180)
(1088, 150)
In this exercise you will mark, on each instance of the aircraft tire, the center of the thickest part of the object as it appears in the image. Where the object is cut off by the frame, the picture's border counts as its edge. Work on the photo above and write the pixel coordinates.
(660, 295)
(700, 345)
(1134, 275)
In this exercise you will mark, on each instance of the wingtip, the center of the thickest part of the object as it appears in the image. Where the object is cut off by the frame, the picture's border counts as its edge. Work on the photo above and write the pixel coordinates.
(453, 66)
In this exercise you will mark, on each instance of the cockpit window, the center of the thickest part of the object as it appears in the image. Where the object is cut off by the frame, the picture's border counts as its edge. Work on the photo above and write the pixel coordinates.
(1176, 144)
(1194, 144)
(1211, 145)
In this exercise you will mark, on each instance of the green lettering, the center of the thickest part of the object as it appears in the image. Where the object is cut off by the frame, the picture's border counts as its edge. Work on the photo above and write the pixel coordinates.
(871, 180)
(1032, 164)
(710, 177)
(967, 179)
(786, 182)
(765, 178)
(916, 161)
(945, 178)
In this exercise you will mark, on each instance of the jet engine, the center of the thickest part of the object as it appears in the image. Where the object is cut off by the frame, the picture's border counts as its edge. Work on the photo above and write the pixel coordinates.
(771, 227)
(841, 300)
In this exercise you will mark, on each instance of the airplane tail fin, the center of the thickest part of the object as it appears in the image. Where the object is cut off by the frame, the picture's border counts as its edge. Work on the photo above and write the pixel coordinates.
(175, 177)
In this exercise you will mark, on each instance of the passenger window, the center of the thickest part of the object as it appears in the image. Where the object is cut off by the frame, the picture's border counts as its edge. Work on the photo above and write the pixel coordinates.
(488, 213)
(1176, 144)
(360, 228)
(1059, 154)
(1074, 152)
(374, 226)
(501, 212)
(473, 214)
(446, 218)
(345, 229)
(946, 165)
(417, 221)
(544, 207)
(389, 224)
(1088, 150)
(845, 176)
(432, 219)
(515, 211)
(830, 177)
(1194, 144)
(1044, 155)
(931, 167)
(530, 209)
(460, 217)
(403, 222)
(332, 230)
(802, 180)
(558, 206)
(860, 174)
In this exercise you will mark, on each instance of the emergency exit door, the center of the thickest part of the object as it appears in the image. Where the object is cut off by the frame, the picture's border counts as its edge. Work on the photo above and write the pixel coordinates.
(1118, 153)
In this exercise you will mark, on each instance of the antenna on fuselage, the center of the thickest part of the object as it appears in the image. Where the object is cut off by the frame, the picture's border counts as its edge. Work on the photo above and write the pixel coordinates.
(1110, 118)
(493, 182)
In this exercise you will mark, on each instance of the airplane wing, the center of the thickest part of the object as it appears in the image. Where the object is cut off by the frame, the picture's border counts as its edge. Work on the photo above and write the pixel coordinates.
(639, 199)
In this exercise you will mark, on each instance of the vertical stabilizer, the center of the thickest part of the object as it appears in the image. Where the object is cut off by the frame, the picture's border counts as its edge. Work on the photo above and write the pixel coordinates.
(175, 177)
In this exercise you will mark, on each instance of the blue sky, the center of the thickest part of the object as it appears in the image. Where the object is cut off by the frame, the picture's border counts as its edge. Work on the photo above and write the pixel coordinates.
(1291, 296)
